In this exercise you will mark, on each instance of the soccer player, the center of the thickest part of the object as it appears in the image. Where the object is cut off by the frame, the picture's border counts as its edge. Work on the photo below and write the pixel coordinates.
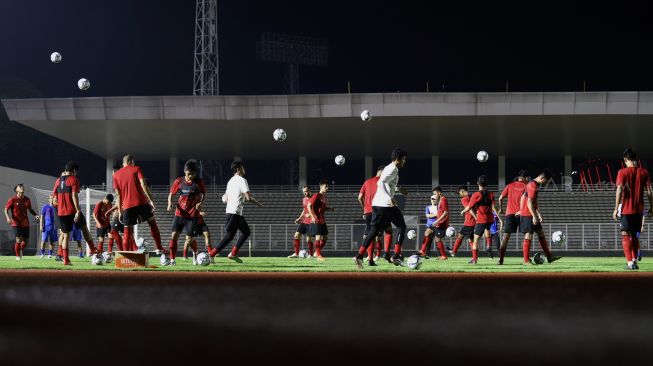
(531, 220)
(48, 230)
(467, 231)
(237, 193)
(192, 193)
(18, 205)
(513, 192)
(365, 197)
(134, 201)
(76, 236)
(495, 228)
(483, 202)
(66, 193)
(304, 226)
(201, 229)
(385, 210)
(102, 222)
(316, 207)
(632, 182)
(439, 226)
(431, 213)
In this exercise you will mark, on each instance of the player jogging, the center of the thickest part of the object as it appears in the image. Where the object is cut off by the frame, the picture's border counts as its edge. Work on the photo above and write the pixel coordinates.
(304, 226)
(316, 207)
(48, 230)
(18, 206)
(513, 192)
(438, 227)
(467, 231)
(102, 222)
(365, 197)
(483, 202)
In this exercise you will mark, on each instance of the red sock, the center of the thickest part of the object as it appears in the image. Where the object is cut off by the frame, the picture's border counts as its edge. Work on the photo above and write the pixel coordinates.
(110, 244)
(526, 248)
(311, 248)
(193, 245)
(425, 243)
(488, 243)
(370, 250)
(17, 249)
(156, 235)
(634, 246)
(457, 244)
(545, 246)
(628, 248)
(60, 251)
(362, 250)
(66, 259)
(295, 243)
(117, 239)
(91, 245)
(318, 248)
(387, 240)
(23, 245)
(213, 252)
(234, 251)
(127, 238)
(185, 251)
(397, 249)
(132, 242)
(441, 249)
(378, 247)
(474, 255)
(173, 249)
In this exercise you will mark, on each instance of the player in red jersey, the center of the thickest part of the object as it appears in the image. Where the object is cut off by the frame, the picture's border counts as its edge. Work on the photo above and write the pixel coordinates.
(632, 182)
(365, 197)
(16, 215)
(201, 229)
(513, 192)
(467, 231)
(317, 206)
(66, 193)
(102, 222)
(531, 220)
(439, 226)
(134, 201)
(303, 228)
(483, 202)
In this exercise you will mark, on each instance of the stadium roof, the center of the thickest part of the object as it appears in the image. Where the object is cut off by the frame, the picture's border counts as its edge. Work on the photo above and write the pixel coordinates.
(528, 125)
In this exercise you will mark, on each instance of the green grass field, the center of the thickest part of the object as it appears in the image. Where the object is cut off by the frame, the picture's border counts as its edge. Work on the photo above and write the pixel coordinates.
(281, 264)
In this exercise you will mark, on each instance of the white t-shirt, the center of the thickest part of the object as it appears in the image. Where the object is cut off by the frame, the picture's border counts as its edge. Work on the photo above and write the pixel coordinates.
(236, 189)
(386, 186)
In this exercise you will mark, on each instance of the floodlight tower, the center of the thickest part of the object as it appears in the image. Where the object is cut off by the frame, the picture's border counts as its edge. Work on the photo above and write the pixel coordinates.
(205, 80)
(292, 51)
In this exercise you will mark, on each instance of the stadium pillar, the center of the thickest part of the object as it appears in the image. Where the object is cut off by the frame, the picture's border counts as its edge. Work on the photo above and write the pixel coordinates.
(368, 166)
(568, 165)
(502, 170)
(174, 167)
(303, 178)
(109, 174)
(435, 171)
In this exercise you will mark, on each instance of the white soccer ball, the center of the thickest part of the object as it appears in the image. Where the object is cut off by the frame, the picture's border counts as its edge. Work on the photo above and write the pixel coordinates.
(414, 262)
(142, 247)
(411, 234)
(366, 116)
(106, 256)
(303, 253)
(164, 260)
(340, 160)
(203, 259)
(482, 156)
(83, 84)
(451, 231)
(56, 57)
(558, 237)
(97, 260)
(279, 134)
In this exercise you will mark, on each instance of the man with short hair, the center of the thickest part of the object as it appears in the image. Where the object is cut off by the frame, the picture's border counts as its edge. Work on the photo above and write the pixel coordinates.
(48, 229)
(18, 206)
(467, 231)
(316, 207)
(236, 195)
(102, 222)
(304, 226)
(483, 202)
(513, 192)
(632, 182)
(365, 197)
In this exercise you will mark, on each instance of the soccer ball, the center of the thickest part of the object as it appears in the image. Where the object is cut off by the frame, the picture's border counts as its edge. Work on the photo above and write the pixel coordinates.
(164, 260)
(366, 116)
(55, 57)
(83, 84)
(279, 135)
(303, 253)
(482, 156)
(106, 256)
(141, 245)
(414, 262)
(203, 259)
(538, 258)
(97, 260)
(411, 234)
(451, 231)
(558, 237)
(340, 160)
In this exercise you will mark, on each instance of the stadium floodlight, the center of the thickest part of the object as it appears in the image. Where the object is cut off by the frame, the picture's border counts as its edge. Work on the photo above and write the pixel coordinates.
(205, 79)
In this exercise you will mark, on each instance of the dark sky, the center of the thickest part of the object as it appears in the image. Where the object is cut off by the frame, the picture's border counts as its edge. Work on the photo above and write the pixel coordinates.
(145, 47)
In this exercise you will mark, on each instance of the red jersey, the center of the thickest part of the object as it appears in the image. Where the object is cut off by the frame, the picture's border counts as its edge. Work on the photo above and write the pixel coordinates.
(190, 194)
(18, 208)
(100, 211)
(634, 181)
(469, 219)
(64, 189)
(443, 206)
(319, 207)
(532, 189)
(482, 202)
(368, 190)
(513, 191)
(307, 218)
(126, 182)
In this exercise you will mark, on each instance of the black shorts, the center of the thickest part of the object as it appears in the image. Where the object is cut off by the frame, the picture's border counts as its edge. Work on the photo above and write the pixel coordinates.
(235, 223)
(200, 229)
(467, 232)
(439, 232)
(511, 224)
(102, 232)
(526, 225)
(184, 223)
(21, 232)
(368, 223)
(319, 229)
(303, 229)
(66, 222)
(631, 223)
(117, 226)
(136, 215)
(479, 229)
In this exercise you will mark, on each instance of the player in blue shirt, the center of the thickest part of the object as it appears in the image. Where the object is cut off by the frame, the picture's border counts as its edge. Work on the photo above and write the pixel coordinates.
(48, 230)
(495, 229)
(76, 235)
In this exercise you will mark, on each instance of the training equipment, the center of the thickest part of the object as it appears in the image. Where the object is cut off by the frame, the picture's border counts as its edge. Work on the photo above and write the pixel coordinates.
(558, 237)
(164, 260)
(203, 259)
(482, 156)
(303, 253)
(83, 84)
(414, 262)
(55, 57)
(106, 257)
(97, 260)
(366, 116)
(340, 160)
(411, 234)
(451, 231)
(538, 258)
(279, 135)
(130, 260)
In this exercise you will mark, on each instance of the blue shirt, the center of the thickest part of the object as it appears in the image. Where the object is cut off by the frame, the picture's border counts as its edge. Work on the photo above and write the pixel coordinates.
(431, 210)
(47, 213)
(494, 228)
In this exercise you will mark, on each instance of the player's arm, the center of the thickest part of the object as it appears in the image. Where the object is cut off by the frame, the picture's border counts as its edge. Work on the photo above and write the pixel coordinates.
(311, 213)
(95, 211)
(109, 211)
(442, 218)
(521, 204)
(118, 200)
(428, 214)
(250, 198)
(531, 209)
(7, 213)
(500, 210)
(29, 207)
(301, 215)
(42, 218)
(360, 200)
(75, 196)
(617, 201)
(169, 202)
(473, 212)
(148, 193)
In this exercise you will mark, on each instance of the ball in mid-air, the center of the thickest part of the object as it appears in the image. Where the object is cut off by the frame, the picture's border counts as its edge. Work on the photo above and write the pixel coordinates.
(451, 231)
(56, 57)
(411, 234)
(340, 160)
(279, 134)
(558, 237)
(366, 116)
(482, 156)
(83, 84)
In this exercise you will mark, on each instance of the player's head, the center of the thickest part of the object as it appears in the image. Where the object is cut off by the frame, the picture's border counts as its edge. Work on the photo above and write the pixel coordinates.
(630, 156)
(19, 189)
(51, 199)
(190, 168)
(128, 160)
(324, 186)
(544, 177)
(437, 191)
(398, 157)
(306, 190)
(434, 199)
(482, 181)
(71, 167)
(237, 167)
(108, 198)
(379, 170)
(522, 176)
(463, 190)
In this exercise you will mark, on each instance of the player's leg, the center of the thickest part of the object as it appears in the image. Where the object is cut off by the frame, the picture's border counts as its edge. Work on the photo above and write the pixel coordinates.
(377, 223)
(439, 234)
(387, 241)
(89, 239)
(488, 243)
(310, 240)
(639, 248)
(397, 218)
(504, 246)
(207, 238)
(377, 254)
(296, 241)
(477, 235)
(99, 233)
(243, 227)
(425, 249)
(325, 237)
(17, 247)
(154, 230)
(53, 242)
(526, 227)
(459, 240)
(44, 236)
(230, 228)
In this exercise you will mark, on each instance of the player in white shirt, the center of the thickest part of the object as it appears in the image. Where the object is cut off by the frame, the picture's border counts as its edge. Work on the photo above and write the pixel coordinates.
(236, 195)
